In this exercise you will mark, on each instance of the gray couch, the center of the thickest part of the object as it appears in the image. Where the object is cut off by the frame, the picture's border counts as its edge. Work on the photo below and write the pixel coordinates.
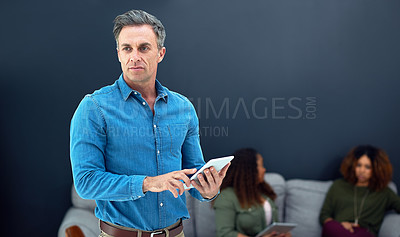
(299, 201)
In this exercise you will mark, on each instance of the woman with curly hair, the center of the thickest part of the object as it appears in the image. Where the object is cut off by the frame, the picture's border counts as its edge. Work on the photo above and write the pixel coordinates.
(355, 205)
(245, 205)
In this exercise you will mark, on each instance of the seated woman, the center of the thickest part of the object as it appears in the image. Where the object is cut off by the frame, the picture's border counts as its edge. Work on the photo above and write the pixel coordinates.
(245, 205)
(355, 206)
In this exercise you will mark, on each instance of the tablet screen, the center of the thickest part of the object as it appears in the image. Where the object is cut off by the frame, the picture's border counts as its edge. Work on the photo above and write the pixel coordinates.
(277, 227)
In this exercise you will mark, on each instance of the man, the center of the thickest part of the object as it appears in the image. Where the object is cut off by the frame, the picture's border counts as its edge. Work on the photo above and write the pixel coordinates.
(134, 143)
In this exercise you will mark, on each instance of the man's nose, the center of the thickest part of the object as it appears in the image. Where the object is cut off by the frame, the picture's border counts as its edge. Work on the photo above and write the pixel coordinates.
(134, 57)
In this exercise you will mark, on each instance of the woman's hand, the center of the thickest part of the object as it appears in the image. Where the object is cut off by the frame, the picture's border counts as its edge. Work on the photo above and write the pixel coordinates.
(349, 226)
(288, 234)
(274, 234)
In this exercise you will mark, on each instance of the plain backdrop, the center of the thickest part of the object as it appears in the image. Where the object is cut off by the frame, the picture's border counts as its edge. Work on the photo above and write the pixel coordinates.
(301, 81)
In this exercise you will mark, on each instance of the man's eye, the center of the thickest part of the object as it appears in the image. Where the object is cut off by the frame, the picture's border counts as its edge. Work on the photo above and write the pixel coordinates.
(127, 49)
(144, 48)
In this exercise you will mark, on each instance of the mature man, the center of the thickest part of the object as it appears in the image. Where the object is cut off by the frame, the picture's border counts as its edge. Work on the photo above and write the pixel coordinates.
(133, 143)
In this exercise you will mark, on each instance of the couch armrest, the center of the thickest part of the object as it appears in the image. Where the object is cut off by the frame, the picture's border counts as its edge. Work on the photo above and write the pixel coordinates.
(390, 225)
(84, 219)
(189, 224)
(74, 231)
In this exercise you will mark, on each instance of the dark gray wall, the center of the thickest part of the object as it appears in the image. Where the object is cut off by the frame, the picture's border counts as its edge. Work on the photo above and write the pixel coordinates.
(301, 81)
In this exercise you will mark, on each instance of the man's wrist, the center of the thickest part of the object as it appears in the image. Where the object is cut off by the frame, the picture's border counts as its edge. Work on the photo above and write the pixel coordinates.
(145, 184)
(212, 198)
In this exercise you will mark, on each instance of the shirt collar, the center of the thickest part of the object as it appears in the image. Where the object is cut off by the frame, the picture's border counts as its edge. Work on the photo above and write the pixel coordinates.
(161, 91)
(126, 90)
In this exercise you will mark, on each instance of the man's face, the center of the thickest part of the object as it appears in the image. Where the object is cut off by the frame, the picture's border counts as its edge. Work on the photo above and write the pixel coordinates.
(138, 54)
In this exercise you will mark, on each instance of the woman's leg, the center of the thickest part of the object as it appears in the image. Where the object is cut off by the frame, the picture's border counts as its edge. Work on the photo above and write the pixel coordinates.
(335, 229)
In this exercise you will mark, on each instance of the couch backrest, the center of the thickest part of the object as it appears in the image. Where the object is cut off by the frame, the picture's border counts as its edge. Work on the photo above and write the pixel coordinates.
(393, 187)
(303, 202)
(304, 199)
(79, 202)
(278, 183)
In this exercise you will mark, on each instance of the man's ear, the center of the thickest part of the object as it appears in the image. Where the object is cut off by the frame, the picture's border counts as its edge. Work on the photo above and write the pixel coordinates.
(119, 59)
(161, 54)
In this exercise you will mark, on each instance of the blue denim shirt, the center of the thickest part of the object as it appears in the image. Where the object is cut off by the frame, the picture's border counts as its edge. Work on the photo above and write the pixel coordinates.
(116, 142)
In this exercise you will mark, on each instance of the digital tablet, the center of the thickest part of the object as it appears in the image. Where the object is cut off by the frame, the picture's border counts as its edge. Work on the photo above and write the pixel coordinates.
(218, 164)
(278, 227)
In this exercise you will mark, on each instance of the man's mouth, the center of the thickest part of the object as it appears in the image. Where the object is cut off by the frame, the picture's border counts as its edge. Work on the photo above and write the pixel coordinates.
(136, 68)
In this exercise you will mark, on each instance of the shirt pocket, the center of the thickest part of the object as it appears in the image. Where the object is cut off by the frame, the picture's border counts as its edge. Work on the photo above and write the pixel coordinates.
(176, 134)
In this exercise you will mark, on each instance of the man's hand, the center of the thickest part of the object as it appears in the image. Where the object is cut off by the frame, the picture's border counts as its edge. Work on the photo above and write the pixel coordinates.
(208, 186)
(169, 181)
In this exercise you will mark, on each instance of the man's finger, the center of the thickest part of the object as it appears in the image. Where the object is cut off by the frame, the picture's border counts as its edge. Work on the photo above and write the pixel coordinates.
(181, 188)
(223, 171)
(197, 186)
(217, 179)
(202, 181)
(185, 178)
(172, 189)
(182, 176)
(178, 186)
(214, 171)
(189, 171)
(209, 176)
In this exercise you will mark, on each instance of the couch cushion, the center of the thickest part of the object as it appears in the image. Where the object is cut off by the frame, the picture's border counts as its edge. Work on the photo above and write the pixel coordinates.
(304, 199)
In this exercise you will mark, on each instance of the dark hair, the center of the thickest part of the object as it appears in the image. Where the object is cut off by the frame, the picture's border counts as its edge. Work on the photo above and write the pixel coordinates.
(242, 176)
(381, 166)
(140, 17)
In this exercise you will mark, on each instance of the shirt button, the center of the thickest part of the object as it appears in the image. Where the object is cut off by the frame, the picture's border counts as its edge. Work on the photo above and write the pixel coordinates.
(161, 204)
(154, 126)
(139, 196)
(135, 93)
(158, 152)
(144, 103)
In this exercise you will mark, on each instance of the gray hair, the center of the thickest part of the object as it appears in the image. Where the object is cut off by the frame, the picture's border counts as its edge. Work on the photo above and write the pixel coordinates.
(139, 17)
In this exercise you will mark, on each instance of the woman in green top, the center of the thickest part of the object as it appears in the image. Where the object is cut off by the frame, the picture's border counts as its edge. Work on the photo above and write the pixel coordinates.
(355, 206)
(245, 205)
